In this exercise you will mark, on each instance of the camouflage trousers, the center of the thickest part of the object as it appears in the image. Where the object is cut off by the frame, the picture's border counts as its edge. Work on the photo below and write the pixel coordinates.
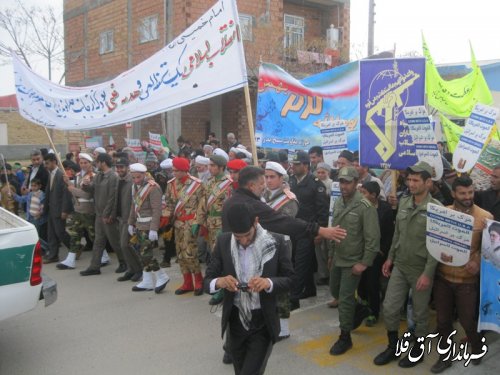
(214, 227)
(186, 248)
(78, 226)
(140, 242)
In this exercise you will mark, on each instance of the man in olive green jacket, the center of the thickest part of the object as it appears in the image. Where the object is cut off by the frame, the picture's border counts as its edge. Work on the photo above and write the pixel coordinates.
(412, 265)
(348, 259)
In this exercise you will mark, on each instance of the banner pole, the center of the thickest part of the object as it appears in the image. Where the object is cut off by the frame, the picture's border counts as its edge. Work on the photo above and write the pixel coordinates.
(59, 162)
(250, 126)
(6, 175)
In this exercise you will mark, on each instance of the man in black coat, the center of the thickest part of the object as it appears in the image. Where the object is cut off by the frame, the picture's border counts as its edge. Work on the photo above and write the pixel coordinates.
(37, 171)
(314, 204)
(58, 205)
(251, 187)
(251, 264)
(489, 200)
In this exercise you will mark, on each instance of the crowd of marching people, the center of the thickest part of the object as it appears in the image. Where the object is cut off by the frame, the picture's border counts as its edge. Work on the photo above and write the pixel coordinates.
(371, 253)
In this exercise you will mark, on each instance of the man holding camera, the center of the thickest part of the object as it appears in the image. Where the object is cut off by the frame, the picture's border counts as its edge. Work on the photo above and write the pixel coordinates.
(252, 265)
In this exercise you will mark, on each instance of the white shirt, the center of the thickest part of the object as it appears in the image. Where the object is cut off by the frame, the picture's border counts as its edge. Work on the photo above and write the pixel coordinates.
(34, 171)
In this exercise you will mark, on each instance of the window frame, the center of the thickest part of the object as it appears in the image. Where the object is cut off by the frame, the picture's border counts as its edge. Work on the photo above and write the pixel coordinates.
(104, 38)
(153, 34)
(288, 26)
(249, 19)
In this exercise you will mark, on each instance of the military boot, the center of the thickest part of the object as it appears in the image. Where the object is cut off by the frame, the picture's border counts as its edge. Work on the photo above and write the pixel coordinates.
(187, 286)
(343, 344)
(68, 263)
(162, 280)
(389, 354)
(198, 284)
(146, 283)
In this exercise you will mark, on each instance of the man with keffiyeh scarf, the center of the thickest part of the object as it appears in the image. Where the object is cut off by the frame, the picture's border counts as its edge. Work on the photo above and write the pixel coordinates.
(252, 265)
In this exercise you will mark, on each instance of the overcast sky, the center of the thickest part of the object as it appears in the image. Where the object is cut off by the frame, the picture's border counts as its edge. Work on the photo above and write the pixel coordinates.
(448, 26)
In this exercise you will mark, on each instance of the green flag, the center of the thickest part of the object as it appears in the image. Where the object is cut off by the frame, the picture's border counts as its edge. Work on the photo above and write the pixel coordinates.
(456, 97)
(164, 143)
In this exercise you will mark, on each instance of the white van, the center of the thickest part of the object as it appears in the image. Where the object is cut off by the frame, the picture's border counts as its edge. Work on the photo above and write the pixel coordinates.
(22, 284)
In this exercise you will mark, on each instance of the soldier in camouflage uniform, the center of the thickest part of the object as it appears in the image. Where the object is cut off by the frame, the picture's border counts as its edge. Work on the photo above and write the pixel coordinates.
(144, 222)
(348, 259)
(217, 190)
(281, 199)
(83, 218)
(183, 199)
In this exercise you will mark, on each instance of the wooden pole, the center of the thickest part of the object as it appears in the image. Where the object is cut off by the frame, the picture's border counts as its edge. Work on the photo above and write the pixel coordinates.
(6, 175)
(250, 126)
(59, 162)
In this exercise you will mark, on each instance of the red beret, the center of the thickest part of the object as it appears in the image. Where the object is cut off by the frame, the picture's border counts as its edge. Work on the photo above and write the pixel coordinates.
(181, 164)
(236, 164)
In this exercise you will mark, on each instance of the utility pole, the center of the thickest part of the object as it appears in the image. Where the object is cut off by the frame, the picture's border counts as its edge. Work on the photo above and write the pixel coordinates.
(371, 26)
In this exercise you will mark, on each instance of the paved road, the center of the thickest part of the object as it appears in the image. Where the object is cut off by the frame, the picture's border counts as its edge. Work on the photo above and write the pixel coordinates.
(98, 326)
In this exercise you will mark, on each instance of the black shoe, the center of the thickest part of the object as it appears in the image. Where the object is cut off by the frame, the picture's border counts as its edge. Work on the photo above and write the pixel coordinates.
(306, 294)
(227, 359)
(136, 277)
(441, 365)
(126, 276)
(387, 356)
(198, 292)
(407, 363)
(322, 281)
(281, 338)
(51, 260)
(121, 268)
(294, 304)
(90, 272)
(62, 266)
(343, 344)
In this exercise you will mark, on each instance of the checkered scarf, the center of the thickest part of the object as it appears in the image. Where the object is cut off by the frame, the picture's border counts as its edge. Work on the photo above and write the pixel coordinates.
(265, 247)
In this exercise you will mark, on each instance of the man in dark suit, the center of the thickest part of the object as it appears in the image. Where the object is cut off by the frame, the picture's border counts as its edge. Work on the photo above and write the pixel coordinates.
(58, 205)
(253, 266)
(37, 171)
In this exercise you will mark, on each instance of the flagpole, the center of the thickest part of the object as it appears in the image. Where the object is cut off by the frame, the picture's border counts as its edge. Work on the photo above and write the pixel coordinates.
(250, 125)
(59, 162)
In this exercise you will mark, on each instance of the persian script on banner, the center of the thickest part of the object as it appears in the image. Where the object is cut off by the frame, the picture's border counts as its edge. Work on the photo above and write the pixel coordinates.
(449, 235)
(93, 142)
(135, 145)
(489, 306)
(291, 113)
(473, 138)
(155, 141)
(424, 138)
(206, 60)
(386, 87)
(334, 195)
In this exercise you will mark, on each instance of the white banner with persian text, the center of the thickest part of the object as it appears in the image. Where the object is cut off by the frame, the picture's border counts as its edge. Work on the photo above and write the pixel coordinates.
(205, 61)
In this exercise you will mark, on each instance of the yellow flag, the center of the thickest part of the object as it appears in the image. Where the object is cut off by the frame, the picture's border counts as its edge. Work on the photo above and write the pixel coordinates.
(456, 97)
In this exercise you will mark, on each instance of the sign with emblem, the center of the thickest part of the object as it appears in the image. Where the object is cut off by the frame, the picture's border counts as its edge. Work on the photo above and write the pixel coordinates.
(424, 138)
(334, 195)
(449, 235)
(386, 87)
(474, 136)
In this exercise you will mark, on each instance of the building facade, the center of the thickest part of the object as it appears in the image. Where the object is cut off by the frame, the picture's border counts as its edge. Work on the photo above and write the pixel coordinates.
(104, 38)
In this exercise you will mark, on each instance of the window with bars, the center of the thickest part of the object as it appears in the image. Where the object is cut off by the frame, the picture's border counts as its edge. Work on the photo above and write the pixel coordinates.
(294, 31)
(106, 42)
(246, 23)
(148, 29)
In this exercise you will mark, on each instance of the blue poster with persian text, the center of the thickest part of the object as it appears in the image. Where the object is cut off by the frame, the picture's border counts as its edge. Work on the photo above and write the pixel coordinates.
(386, 86)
